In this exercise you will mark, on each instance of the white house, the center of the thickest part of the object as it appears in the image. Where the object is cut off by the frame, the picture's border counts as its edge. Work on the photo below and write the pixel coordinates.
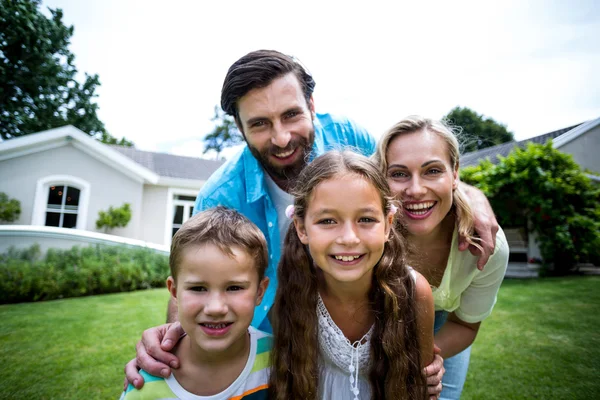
(63, 178)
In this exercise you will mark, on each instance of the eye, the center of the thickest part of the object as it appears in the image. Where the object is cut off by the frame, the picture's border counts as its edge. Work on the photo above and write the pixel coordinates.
(326, 221)
(435, 171)
(197, 289)
(292, 114)
(398, 174)
(367, 220)
(258, 124)
(234, 288)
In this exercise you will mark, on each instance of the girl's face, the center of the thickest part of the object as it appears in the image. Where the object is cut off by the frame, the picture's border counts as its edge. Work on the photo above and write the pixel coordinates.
(421, 175)
(345, 228)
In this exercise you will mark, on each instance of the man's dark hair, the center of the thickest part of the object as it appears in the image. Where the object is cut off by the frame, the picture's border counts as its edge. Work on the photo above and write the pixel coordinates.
(257, 70)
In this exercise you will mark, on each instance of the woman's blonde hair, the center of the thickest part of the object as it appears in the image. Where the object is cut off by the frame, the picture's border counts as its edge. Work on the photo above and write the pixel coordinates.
(416, 123)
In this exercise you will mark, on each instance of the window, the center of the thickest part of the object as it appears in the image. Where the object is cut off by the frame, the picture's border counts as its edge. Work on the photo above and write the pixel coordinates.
(183, 207)
(61, 201)
(62, 206)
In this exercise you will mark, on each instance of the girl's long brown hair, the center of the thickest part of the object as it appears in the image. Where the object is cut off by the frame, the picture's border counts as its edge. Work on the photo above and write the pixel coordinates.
(395, 371)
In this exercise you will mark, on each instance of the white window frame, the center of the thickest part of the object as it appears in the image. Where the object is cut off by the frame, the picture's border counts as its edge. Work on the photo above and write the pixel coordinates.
(171, 203)
(40, 202)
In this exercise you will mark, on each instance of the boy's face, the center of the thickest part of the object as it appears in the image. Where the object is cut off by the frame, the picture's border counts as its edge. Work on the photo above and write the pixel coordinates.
(216, 295)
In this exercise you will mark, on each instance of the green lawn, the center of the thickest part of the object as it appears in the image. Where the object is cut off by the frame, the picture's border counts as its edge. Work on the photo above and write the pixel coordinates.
(541, 342)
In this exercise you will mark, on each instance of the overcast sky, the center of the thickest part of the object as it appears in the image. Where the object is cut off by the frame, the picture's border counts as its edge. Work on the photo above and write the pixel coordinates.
(532, 65)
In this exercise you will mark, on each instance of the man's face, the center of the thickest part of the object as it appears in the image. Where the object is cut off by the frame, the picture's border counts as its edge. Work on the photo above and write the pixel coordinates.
(277, 124)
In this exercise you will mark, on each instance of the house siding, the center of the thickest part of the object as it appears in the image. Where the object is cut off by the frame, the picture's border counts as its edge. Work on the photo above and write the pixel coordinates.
(108, 186)
(585, 149)
(154, 209)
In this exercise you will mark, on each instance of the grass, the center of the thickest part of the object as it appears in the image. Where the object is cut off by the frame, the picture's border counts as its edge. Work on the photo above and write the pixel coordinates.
(541, 342)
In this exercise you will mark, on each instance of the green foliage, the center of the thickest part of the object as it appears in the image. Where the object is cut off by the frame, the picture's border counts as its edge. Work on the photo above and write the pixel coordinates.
(114, 217)
(225, 134)
(10, 209)
(26, 276)
(478, 132)
(38, 89)
(544, 189)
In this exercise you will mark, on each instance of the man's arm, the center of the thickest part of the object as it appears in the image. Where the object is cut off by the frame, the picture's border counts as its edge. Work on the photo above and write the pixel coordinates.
(486, 225)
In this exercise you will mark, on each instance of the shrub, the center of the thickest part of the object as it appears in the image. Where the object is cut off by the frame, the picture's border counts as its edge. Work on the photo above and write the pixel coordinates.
(544, 190)
(10, 209)
(79, 271)
(114, 217)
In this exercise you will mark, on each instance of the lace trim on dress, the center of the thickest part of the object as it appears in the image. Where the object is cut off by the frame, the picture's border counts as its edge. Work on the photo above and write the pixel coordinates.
(347, 356)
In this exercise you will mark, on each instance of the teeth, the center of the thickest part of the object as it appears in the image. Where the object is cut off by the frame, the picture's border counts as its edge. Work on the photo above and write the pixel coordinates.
(284, 155)
(346, 258)
(419, 206)
(215, 326)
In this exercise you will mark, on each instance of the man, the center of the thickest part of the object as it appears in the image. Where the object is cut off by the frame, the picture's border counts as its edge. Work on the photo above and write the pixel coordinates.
(270, 97)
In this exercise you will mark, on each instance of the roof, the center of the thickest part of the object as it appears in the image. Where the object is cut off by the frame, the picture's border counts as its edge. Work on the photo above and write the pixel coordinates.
(170, 165)
(504, 149)
(143, 166)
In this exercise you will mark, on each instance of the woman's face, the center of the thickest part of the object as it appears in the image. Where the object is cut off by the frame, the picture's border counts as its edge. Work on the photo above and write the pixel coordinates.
(421, 175)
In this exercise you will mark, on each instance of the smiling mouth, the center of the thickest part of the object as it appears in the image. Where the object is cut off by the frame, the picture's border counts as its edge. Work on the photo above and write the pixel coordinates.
(222, 325)
(347, 258)
(420, 208)
(284, 154)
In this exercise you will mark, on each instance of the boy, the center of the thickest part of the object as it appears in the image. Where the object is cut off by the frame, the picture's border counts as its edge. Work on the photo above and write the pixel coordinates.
(218, 261)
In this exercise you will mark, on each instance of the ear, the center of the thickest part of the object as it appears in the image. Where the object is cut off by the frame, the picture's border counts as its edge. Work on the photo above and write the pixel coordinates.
(389, 219)
(172, 287)
(262, 288)
(301, 230)
(311, 107)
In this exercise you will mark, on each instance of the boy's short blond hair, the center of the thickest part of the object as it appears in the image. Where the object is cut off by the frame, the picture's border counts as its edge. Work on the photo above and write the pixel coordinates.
(224, 228)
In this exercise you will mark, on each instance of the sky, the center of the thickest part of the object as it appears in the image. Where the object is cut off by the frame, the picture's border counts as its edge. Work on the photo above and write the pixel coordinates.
(531, 65)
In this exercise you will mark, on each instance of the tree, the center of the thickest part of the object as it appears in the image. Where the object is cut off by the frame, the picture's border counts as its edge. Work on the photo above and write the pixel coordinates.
(38, 89)
(225, 134)
(478, 132)
(114, 217)
(544, 190)
(10, 209)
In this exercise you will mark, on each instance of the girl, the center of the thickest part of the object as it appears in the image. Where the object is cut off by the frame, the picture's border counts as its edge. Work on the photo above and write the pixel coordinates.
(351, 319)
(420, 158)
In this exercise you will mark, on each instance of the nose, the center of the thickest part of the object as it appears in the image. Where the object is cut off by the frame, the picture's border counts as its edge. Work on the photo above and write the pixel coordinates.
(348, 235)
(215, 305)
(415, 188)
(281, 135)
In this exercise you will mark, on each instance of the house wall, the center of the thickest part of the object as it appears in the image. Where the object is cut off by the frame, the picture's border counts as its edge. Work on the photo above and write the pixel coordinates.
(108, 186)
(585, 149)
(154, 210)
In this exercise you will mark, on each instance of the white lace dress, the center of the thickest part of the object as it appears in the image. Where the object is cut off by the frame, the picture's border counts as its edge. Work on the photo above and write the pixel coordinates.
(342, 365)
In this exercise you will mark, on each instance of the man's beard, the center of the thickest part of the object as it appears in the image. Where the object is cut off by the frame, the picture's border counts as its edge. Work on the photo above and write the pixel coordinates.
(288, 172)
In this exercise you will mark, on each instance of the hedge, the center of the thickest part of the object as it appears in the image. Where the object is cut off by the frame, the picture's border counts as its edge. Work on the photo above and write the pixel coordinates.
(80, 271)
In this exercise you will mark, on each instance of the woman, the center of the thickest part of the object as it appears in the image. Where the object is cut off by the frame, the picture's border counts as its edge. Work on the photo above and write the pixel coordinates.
(420, 158)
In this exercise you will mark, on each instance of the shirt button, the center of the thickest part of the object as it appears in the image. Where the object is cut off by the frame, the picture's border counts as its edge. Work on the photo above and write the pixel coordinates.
(270, 224)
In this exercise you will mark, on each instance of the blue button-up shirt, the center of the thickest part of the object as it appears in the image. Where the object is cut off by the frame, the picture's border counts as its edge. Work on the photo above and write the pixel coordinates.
(240, 184)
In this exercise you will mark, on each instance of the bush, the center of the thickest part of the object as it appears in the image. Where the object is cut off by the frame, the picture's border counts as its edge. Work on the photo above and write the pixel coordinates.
(545, 190)
(114, 217)
(10, 209)
(79, 271)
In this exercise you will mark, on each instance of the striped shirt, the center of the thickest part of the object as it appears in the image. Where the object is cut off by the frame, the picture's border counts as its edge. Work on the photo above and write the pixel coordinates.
(250, 385)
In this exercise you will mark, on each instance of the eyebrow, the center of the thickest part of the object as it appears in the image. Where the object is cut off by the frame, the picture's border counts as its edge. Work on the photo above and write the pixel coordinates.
(426, 163)
(192, 282)
(333, 211)
(257, 119)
